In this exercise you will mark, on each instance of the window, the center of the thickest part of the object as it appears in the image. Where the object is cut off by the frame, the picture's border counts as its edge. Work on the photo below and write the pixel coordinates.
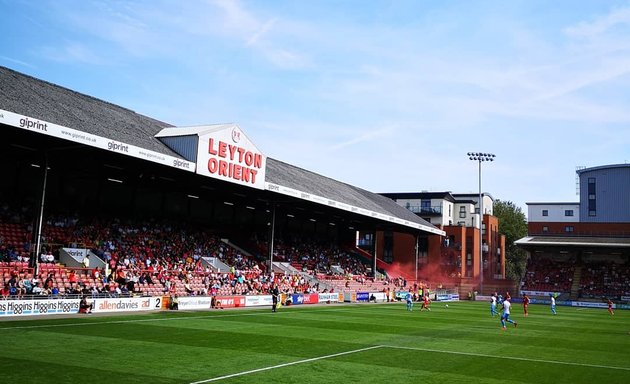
(591, 185)
(462, 212)
(568, 229)
(545, 229)
(592, 197)
(545, 212)
(568, 212)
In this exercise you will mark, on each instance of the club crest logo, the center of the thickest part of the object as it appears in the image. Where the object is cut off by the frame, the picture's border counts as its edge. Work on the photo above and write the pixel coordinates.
(236, 135)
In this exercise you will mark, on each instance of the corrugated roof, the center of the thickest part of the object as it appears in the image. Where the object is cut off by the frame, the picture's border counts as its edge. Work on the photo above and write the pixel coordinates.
(600, 167)
(582, 241)
(26, 95)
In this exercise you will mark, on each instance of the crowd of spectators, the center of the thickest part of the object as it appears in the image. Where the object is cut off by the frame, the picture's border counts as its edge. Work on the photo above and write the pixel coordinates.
(548, 275)
(315, 258)
(156, 257)
(605, 279)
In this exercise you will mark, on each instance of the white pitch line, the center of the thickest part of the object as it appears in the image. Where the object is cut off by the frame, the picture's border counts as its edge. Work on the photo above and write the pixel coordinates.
(286, 364)
(509, 357)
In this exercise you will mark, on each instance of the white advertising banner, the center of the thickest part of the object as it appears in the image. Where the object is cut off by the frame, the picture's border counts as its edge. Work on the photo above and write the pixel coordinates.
(346, 207)
(78, 253)
(38, 307)
(194, 302)
(61, 132)
(540, 293)
(227, 154)
(332, 297)
(588, 304)
(125, 304)
(257, 301)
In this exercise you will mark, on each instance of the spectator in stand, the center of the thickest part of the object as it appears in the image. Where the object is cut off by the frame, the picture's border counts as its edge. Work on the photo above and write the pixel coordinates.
(37, 289)
(188, 288)
(97, 275)
(26, 285)
(132, 281)
(121, 277)
(48, 284)
(73, 279)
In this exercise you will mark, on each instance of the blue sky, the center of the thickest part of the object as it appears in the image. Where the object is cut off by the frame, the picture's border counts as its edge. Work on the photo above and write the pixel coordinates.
(385, 95)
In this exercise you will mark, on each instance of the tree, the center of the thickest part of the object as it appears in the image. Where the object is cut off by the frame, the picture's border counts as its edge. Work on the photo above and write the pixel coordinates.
(513, 225)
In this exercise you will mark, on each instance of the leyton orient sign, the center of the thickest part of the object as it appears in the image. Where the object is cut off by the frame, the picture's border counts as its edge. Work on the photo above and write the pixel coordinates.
(229, 155)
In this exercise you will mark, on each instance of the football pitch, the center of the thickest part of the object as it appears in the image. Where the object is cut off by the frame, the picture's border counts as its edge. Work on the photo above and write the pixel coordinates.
(357, 343)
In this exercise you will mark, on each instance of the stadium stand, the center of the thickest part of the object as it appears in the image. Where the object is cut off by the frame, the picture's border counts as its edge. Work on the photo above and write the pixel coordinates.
(548, 275)
(153, 257)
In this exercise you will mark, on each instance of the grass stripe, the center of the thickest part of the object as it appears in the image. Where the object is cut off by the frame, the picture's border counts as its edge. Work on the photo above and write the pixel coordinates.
(286, 364)
(509, 357)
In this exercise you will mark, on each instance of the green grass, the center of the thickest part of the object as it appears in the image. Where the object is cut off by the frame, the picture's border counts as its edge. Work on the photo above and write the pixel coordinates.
(369, 343)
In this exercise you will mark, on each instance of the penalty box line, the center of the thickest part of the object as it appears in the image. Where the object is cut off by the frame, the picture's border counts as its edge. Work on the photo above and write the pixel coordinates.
(287, 364)
(509, 358)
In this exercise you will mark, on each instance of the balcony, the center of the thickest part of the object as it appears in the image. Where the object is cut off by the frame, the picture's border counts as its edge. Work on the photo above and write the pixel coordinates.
(430, 211)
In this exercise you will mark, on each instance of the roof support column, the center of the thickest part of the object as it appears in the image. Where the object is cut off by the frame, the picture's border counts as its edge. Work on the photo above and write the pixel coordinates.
(416, 264)
(272, 230)
(375, 255)
(40, 220)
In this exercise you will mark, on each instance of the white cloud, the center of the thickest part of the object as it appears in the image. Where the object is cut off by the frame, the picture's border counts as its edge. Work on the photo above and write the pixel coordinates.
(261, 32)
(369, 135)
(16, 61)
(601, 24)
(73, 52)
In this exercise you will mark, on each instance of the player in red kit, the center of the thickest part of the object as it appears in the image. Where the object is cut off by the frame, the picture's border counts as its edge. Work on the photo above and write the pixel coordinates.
(610, 307)
(425, 303)
(525, 304)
